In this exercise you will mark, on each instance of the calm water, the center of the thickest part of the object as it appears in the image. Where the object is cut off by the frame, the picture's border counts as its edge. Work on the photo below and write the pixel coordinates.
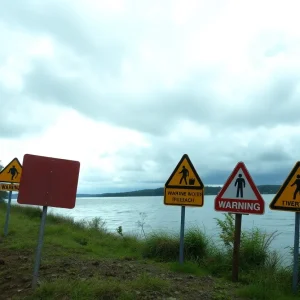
(126, 211)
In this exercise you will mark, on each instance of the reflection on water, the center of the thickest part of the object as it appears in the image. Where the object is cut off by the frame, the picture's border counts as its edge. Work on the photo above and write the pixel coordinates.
(126, 212)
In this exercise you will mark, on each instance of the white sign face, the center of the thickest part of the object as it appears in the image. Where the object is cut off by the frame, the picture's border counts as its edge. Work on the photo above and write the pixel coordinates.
(239, 188)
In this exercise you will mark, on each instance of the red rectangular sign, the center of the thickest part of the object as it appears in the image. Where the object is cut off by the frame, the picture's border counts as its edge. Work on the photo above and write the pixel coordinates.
(48, 181)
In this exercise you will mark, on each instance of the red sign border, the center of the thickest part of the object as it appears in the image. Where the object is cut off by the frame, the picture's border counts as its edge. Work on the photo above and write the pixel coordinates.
(260, 200)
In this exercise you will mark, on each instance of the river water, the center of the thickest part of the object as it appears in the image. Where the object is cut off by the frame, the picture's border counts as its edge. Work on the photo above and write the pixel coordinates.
(127, 211)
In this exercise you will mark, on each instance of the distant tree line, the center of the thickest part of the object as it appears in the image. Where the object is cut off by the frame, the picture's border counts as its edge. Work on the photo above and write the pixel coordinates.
(208, 190)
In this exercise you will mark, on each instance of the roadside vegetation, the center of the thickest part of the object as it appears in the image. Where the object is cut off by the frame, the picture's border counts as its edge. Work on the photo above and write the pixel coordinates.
(82, 260)
(3, 196)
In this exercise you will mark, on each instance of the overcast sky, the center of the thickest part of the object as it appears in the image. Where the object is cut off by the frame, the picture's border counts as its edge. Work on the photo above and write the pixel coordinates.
(127, 87)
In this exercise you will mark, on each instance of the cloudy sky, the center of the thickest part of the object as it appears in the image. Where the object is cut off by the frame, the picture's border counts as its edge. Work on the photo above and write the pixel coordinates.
(127, 87)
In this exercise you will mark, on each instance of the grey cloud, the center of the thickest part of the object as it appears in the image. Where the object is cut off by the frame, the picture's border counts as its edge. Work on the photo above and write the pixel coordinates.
(275, 155)
(101, 49)
(58, 20)
(271, 104)
(156, 111)
(267, 165)
(153, 113)
(21, 116)
(101, 44)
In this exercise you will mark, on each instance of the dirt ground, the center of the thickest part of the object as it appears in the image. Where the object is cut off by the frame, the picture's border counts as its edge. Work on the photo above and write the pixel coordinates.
(16, 274)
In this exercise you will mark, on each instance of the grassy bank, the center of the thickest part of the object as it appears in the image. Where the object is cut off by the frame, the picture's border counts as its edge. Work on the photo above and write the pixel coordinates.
(84, 261)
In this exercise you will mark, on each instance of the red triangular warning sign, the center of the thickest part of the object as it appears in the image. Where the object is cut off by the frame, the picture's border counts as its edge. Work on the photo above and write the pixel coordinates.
(240, 194)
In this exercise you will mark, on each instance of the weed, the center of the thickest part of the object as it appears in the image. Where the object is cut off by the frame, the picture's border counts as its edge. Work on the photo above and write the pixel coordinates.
(119, 230)
(227, 230)
(141, 223)
(97, 224)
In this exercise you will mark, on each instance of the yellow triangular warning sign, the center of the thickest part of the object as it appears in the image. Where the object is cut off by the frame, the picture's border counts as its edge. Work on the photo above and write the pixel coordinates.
(184, 187)
(288, 196)
(12, 172)
(184, 175)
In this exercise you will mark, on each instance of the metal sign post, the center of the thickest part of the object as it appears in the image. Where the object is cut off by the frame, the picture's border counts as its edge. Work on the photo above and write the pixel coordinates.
(181, 248)
(39, 248)
(7, 214)
(296, 253)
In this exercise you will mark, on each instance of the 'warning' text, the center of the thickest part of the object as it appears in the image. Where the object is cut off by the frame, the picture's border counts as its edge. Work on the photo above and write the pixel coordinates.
(240, 205)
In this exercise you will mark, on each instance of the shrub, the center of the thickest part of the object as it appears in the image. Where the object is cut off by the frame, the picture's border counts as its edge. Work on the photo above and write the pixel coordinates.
(98, 224)
(254, 247)
(162, 246)
(30, 211)
(165, 246)
(3, 196)
(196, 244)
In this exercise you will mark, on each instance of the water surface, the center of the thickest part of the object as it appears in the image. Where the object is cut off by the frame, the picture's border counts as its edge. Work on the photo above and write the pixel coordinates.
(127, 211)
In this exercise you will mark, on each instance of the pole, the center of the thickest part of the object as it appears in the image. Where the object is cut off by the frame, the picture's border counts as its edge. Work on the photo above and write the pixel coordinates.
(39, 248)
(7, 213)
(296, 253)
(236, 247)
(182, 234)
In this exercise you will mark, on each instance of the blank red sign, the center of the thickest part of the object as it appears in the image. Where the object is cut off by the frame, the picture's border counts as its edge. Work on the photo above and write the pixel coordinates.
(48, 181)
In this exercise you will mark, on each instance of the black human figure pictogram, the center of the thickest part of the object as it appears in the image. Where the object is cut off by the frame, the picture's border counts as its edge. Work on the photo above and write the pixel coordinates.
(185, 174)
(297, 183)
(240, 182)
(14, 172)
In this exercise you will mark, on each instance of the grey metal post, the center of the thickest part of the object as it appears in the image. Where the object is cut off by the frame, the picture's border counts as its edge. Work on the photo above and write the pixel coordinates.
(7, 213)
(39, 248)
(182, 235)
(296, 253)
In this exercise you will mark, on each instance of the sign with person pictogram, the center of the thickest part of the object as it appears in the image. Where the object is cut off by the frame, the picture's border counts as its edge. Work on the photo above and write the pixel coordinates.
(12, 172)
(240, 194)
(184, 186)
(288, 196)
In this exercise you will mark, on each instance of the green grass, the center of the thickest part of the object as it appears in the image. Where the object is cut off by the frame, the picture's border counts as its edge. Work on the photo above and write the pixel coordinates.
(188, 268)
(81, 290)
(89, 239)
(146, 283)
(260, 268)
(261, 274)
(99, 289)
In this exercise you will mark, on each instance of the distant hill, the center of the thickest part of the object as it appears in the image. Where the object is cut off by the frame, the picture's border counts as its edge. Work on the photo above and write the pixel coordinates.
(208, 190)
